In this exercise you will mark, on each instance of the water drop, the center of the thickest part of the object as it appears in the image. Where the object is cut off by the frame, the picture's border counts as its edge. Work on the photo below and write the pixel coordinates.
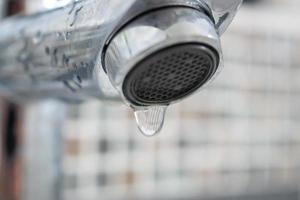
(38, 38)
(54, 56)
(65, 60)
(23, 56)
(67, 35)
(150, 120)
(47, 50)
(59, 35)
(75, 16)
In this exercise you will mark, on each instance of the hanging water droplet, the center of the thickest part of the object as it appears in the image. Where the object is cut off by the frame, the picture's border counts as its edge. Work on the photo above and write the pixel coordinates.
(150, 120)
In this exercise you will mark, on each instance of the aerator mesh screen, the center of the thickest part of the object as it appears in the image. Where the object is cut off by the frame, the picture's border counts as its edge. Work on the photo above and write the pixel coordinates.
(170, 74)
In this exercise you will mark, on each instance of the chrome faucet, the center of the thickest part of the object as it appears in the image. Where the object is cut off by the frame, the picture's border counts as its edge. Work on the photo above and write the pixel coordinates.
(148, 53)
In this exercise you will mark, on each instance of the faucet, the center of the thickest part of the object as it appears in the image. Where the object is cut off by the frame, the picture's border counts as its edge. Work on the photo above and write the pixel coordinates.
(147, 53)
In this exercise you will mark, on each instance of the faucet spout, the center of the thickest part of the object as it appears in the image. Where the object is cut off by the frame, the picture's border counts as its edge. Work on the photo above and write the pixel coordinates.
(150, 53)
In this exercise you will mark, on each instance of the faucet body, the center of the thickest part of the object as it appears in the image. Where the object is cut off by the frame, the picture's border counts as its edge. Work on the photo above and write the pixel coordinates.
(62, 53)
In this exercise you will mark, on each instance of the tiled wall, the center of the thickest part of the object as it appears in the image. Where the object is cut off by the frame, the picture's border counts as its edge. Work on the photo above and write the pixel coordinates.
(238, 136)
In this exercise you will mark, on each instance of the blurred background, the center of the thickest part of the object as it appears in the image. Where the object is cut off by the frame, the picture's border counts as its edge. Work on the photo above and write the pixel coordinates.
(237, 139)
